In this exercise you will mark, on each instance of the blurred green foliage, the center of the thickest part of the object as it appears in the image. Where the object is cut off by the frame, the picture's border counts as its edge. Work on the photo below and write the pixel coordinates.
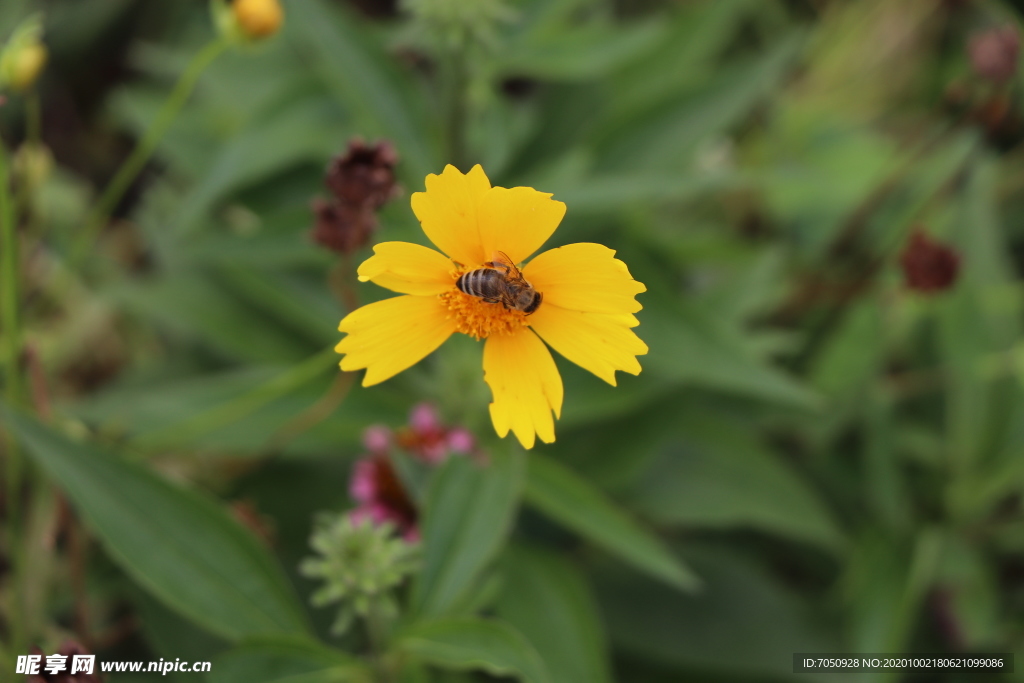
(817, 457)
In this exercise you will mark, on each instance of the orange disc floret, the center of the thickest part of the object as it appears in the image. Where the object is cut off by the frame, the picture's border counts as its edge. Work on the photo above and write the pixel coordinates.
(475, 317)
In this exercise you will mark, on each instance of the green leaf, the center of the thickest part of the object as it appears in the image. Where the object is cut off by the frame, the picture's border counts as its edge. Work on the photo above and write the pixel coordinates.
(196, 306)
(238, 412)
(358, 74)
(545, 597)
(688, 345)
(668, 135)
(472, 643)
(697, 34)
(576, 52)
(573, 502)
(176, 543)
(287, 660)
(742, 626)
(304, 133)
(715, 473)
(469, 510)
(597, 194)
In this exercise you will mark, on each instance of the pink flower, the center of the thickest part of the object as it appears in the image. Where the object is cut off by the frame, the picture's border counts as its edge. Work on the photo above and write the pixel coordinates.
(430, 440)
(461, 441)
(377, 438)
(381, 497)
(424, 419)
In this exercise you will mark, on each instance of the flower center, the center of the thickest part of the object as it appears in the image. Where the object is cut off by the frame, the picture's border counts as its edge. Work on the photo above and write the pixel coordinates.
(479, 319)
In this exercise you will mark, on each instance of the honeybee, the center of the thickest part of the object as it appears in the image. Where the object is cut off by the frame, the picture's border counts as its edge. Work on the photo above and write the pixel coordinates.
(500, 282)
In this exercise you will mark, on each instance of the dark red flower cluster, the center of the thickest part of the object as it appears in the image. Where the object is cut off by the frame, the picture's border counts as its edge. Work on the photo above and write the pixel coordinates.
(375, 485)
(361, 181)
(928, 265)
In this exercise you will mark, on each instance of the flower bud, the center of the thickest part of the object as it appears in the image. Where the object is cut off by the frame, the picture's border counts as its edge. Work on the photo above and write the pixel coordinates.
(341, 228)
(258, 19)
(452, 21)
(361, 564)
(247, 21)
(928, 266)
(361, 180)
(24, 56)
(364, 175)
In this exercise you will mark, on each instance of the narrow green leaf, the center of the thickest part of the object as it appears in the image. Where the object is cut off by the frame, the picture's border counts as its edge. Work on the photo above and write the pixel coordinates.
(573, 502)
(468, 513)
(744, 625)
(357, 73)
(287, 659)
(473, 643)
(689, 345)
(546, 598)
(195, 305)
(714, 472)
(176, 543)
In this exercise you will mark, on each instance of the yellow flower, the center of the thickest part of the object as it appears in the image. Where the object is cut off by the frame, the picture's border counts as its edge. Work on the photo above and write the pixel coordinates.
(586, 313)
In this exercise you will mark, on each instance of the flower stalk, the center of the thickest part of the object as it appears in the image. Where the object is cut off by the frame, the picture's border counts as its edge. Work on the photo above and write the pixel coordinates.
(457, 106)
(10, 302)
(143, 151)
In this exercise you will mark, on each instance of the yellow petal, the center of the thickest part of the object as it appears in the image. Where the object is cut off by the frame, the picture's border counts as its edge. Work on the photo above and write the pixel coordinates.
(449, 212)
(408, 268)
(584, 277)
(525, 384)
(517, 221)
(389, 336)
(598, 342)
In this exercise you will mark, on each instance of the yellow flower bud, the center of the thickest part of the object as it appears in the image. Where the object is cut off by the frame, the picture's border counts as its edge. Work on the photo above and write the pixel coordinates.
(24, 56)
(26, 66)
(258, 19)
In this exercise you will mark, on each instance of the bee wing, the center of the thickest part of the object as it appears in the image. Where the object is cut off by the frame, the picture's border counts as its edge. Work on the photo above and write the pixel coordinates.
(501, 260)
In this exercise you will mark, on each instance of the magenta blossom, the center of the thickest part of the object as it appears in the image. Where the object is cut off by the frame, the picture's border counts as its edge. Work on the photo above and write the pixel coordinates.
(430, 440)
(381, 497)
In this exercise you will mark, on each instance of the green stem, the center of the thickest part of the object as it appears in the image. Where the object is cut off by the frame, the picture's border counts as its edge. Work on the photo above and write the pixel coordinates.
(144, 149)
(9, 299)
(457, 114)
(33, 119)
(23, 207)
(377, 634)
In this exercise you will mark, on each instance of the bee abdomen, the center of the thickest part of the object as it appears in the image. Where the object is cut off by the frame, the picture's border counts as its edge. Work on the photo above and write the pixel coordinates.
(479, 283)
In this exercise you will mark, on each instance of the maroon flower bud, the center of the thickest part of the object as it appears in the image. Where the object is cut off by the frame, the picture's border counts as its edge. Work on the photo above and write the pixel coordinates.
(994, 53)
(341, 227)
(364, 175)
(928, 266)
